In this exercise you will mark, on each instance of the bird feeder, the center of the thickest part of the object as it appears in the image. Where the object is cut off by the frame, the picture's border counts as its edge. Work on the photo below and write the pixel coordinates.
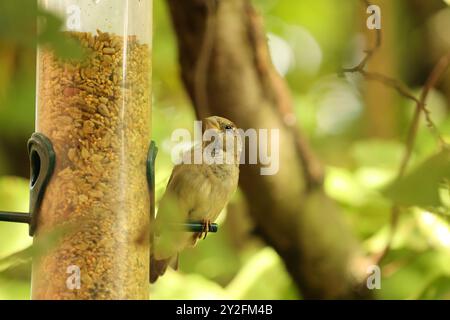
(92, 171)
(97, 114)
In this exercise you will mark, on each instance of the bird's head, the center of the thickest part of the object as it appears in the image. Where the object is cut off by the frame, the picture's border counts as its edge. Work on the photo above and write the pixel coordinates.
(219, 124)
(227, 133)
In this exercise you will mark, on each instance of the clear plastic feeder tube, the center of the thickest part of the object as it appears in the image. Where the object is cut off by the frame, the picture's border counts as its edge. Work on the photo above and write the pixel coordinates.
(92, 232)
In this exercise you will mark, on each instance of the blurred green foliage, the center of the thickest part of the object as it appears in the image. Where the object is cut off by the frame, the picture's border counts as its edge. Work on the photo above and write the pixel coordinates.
(13, 197)
(430, 176)
(310, 41)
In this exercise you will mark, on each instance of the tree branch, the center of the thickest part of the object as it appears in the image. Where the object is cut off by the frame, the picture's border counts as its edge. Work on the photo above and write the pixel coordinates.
(290, 209)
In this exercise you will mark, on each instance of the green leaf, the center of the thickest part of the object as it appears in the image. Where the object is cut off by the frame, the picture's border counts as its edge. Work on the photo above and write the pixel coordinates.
(64, 47)
(421, 187)
(18, 26)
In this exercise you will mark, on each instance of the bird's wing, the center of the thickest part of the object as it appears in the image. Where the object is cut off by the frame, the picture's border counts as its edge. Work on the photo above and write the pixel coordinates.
(186, 191)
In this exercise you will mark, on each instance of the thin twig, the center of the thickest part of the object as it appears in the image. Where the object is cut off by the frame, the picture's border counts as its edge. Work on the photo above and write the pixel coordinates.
(437, 73)
(403, 90)
(432, 80)
(368, 53)
(396, 84)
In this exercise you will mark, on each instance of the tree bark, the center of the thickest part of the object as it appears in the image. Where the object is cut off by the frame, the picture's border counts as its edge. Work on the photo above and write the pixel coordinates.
(227, 71)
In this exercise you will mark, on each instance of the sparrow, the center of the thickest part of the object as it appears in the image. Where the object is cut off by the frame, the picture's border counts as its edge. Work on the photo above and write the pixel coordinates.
(196, 192)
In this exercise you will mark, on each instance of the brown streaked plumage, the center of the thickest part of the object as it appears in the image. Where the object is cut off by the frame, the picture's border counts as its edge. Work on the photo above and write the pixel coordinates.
(195, 192)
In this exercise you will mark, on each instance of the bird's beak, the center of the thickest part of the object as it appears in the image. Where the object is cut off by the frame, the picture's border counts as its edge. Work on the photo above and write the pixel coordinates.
(210, 123)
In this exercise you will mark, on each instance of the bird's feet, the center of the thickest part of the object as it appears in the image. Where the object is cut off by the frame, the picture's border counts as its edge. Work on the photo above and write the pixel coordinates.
(206, 226)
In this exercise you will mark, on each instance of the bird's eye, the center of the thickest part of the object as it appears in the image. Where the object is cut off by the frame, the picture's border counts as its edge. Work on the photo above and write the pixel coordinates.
(228, 127)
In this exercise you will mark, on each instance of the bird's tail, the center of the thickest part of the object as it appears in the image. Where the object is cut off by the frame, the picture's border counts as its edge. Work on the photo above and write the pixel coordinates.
(159, 267)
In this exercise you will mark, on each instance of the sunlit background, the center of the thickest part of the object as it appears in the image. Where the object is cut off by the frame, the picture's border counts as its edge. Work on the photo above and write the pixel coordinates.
(357, 128)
